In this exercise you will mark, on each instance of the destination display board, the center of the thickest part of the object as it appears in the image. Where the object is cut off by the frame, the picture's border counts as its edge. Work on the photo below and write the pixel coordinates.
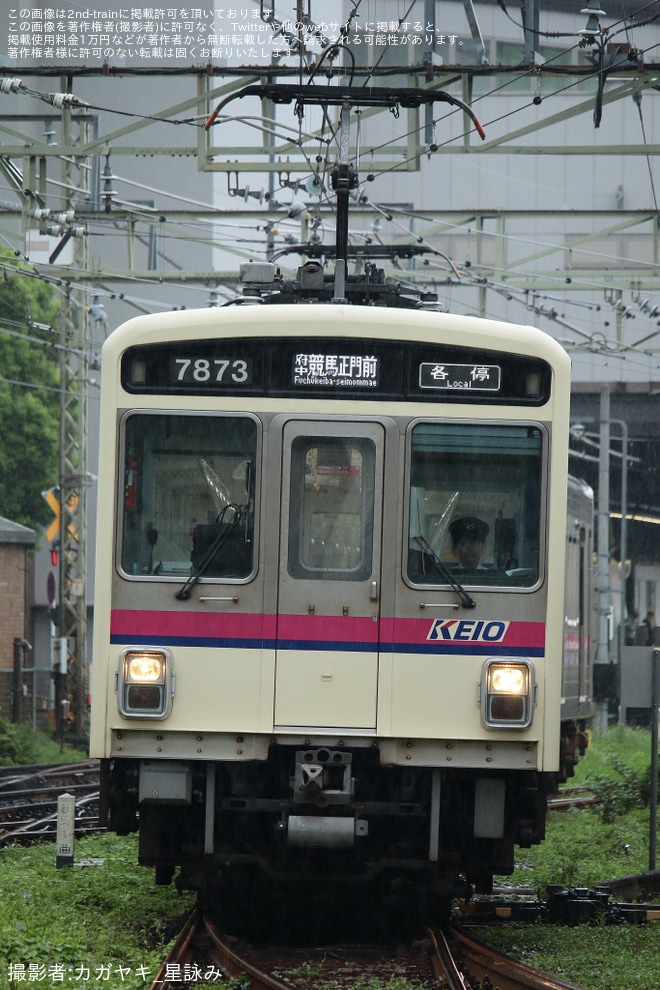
(335, 367)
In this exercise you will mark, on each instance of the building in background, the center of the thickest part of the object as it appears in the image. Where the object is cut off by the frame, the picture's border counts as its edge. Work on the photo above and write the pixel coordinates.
(17, 685)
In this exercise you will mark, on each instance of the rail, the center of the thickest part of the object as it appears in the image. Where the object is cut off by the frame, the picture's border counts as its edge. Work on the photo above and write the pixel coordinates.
(28, 799)
(449, 958)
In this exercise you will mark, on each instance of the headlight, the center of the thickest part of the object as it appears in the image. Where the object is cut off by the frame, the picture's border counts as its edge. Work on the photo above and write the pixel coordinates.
(507, 694)
(145, 683)
(146, 668)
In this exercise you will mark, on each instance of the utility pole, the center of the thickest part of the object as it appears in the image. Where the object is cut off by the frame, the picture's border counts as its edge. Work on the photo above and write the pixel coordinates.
(603, 528)
(531, 29)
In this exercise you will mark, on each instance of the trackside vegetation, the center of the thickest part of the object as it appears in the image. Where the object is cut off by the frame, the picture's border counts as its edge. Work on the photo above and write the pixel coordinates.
(584, 848)
(103, 923)
(29, 392)
(20, 746)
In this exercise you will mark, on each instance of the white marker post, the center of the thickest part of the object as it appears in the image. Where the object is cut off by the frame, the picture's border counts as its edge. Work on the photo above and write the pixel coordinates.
(66, 830)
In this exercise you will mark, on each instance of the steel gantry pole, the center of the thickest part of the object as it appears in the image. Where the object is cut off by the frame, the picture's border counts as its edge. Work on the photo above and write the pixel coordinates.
(73, 522)
(74, 365)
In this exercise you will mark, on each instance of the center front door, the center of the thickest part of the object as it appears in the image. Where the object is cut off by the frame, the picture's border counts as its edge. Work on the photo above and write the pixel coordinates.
(328, 620)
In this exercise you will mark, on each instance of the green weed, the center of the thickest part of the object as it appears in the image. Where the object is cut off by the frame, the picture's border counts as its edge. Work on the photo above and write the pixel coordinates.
(21, 746)
(587, 848)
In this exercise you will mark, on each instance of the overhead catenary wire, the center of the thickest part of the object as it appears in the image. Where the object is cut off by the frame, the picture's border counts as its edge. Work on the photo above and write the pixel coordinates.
(373, 71)
(534, 242)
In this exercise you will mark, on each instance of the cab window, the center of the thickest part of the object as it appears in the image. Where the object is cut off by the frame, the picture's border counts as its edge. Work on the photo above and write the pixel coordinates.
(474, 503)
(188, 484)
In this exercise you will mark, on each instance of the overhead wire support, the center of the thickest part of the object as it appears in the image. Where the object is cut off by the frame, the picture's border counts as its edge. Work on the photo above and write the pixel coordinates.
(377, 96)
(344, 177)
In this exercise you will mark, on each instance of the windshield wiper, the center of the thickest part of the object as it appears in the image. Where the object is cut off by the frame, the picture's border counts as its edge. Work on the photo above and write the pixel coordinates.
(466, 600)
(225, 531)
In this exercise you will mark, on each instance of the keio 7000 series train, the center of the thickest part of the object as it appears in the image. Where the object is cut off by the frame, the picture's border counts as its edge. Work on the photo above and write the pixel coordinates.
(329, 621)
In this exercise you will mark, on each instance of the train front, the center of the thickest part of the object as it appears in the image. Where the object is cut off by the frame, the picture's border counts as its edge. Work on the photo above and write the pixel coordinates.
(328, 622)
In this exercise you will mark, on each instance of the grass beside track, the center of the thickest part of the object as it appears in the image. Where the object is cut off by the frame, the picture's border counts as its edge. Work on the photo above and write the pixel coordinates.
(584, 848)
(104, 924)
(101, 923)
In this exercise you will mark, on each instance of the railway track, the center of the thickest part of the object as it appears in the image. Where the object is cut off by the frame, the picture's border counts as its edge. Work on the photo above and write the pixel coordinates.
(438, 960)
(572, 797)
(28, 799)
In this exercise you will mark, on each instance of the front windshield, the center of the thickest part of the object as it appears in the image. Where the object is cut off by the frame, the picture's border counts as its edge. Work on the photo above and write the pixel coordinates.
(188, 480)
(474, 504)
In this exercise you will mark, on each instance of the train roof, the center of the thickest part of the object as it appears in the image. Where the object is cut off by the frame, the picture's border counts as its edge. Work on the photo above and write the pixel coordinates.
(314, 320)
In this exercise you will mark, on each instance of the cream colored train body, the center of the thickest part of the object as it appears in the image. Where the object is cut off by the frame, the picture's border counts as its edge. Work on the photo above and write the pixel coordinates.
(292, 673)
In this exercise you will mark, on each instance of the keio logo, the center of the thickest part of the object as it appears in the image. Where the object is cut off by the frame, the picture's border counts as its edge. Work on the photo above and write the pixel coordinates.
(468, 630)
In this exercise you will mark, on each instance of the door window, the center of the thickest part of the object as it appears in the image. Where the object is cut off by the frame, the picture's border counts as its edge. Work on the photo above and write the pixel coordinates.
(331, 511)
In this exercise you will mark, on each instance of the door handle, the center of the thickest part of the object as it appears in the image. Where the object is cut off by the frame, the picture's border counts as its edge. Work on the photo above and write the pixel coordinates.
(438, 605)
(374, 591)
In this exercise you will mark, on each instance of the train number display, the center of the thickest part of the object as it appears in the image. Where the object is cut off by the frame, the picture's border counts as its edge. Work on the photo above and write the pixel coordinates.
(199, 370)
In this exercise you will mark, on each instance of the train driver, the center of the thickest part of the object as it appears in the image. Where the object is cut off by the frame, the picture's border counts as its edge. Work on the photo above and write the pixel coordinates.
(468, 536)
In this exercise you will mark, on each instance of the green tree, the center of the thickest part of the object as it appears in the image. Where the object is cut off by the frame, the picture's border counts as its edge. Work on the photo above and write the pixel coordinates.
(29, 394)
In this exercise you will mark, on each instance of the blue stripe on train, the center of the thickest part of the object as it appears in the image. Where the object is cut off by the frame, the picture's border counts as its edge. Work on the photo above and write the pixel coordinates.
(324, 646)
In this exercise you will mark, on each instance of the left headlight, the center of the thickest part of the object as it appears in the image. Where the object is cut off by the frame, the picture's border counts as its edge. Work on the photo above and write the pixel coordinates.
(507, 693)
(145, 683)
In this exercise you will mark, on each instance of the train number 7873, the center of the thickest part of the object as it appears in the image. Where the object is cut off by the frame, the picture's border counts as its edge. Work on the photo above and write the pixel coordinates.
(215, 370)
